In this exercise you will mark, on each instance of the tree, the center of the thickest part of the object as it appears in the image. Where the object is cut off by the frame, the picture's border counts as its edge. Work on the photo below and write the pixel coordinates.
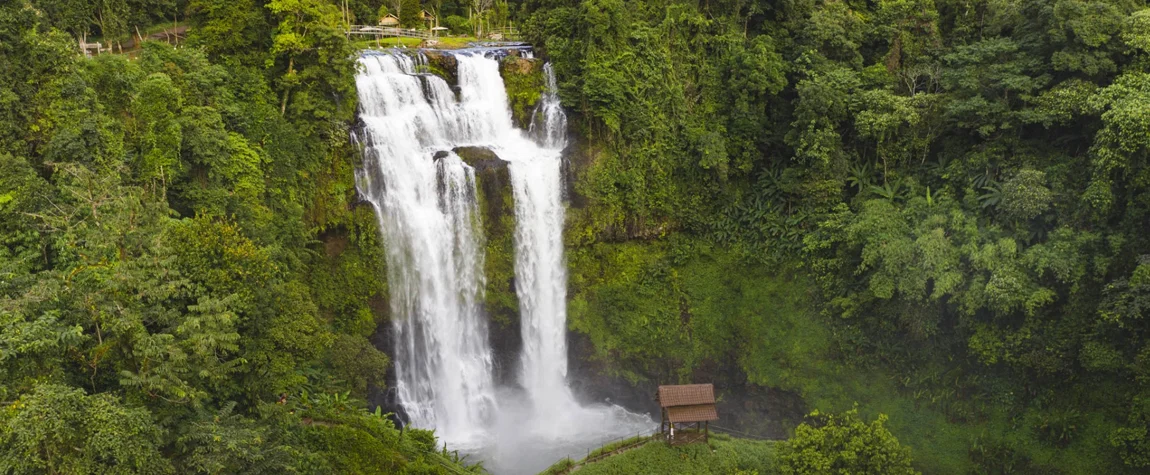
(59, 429)
(226, 442)
(155, 222)
(112, 18)
(72, 16)
(226, 27)
(408, 12)
(844, 445)
(312, 58)
(1025, 195)
(156, 108)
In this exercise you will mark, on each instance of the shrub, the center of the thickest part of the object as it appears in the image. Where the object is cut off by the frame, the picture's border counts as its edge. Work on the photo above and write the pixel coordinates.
(844, 444)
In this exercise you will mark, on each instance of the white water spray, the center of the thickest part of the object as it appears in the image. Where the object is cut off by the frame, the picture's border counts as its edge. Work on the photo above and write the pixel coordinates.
(427, 210)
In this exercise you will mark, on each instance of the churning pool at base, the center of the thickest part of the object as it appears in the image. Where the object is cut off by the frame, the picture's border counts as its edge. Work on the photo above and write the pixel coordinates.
(521, 441)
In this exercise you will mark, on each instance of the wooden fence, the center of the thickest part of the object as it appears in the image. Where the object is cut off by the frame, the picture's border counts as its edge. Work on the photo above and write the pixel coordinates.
(498, 34)
(388, 32)
(611, 447)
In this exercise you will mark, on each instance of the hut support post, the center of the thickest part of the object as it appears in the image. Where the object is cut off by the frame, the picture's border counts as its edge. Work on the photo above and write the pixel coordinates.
(663, 423)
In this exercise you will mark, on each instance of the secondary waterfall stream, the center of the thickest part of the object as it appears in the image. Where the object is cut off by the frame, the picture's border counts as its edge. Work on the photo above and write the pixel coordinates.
(428, 215)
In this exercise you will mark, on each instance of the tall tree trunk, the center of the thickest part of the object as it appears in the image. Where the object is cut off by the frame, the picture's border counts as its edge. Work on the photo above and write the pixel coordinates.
(283, 105)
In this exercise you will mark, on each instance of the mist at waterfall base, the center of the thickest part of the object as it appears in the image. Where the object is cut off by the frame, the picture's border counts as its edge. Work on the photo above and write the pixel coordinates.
(433, 238)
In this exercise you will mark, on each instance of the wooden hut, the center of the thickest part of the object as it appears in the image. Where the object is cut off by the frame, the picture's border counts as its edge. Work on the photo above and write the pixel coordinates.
(687, 411)
(389, 20)
(428, 18)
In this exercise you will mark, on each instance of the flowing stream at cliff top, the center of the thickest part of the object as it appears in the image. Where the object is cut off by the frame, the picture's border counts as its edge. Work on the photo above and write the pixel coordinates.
(428, 213)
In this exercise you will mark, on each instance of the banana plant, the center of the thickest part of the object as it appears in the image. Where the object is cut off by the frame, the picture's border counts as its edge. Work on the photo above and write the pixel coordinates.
(889, 190)
(860, 177)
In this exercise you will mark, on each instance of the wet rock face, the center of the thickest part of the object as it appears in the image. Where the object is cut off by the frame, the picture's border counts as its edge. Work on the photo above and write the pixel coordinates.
(591, 383)
(523, 78)
(480, 158)
(501, 304)
(742, 406)
(444, 65)
(518, 65)
(493, 181)
(386, 398)
(575, 161)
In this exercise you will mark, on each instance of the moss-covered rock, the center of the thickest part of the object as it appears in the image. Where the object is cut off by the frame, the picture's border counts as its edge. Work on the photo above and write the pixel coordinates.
(523, 78)
(480, 158)
(442, 64)
(497, 205)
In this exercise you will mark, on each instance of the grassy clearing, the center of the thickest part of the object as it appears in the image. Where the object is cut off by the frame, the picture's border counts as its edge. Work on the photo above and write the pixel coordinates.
(724, 455)
(563, 465)
(446, 42)
(616, 445)
(387, 43)
(454, 42)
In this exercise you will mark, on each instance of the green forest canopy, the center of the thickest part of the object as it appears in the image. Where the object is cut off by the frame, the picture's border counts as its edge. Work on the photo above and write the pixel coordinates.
(937, 208)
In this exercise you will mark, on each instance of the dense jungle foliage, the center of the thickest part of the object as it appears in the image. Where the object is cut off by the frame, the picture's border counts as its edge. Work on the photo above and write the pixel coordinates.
(935, 209)
(167, 302)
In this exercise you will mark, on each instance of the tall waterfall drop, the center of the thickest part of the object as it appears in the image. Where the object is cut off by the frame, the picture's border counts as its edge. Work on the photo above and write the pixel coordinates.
(428, 214)
(443, 362)
(541, 273)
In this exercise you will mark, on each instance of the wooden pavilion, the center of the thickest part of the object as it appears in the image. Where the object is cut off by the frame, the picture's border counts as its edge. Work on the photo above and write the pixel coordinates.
(389, 20)
(685, 406)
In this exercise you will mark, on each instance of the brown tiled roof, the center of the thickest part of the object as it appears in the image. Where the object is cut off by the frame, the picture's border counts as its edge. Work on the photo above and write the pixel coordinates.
(697, 413)
(686, 395)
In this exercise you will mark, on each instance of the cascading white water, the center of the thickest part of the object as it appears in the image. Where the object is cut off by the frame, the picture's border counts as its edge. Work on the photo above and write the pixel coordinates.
(540, 272)
(548, 122)
(427, 210)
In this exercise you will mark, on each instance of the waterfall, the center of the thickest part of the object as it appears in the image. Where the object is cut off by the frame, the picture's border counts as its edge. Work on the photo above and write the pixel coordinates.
(428, 214)
(548, 122)
(540, 271)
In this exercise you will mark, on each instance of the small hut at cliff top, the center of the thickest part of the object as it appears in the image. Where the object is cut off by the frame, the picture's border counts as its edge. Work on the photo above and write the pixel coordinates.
(684, 406)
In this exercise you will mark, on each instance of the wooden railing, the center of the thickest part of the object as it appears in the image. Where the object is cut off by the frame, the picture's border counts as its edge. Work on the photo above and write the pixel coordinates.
(503, 34)
(612, 447)
(388, 32)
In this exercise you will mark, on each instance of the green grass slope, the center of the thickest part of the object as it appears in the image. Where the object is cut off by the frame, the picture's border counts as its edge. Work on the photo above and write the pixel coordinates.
(723, 455)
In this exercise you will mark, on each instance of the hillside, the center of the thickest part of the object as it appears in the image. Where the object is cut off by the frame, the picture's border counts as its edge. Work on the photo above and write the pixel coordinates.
(897, 235)
(724, 455)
